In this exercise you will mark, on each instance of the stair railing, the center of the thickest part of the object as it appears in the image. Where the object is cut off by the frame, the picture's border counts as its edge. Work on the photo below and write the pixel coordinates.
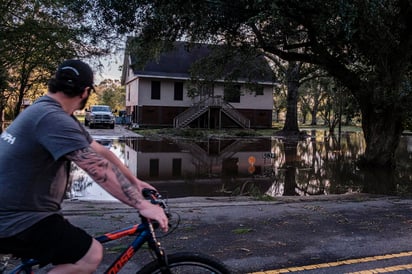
(190, 114)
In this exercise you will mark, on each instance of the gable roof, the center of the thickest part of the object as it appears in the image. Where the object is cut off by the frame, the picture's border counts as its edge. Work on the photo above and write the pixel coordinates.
(176, 64)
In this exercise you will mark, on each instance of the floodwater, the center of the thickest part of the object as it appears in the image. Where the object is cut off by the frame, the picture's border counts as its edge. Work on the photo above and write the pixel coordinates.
(318, 165)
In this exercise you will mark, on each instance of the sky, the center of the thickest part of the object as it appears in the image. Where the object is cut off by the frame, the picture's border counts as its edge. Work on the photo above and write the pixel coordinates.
(110, 69)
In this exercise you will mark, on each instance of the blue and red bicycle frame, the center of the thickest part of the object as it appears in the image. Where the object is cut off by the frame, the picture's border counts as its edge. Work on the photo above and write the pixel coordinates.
(143, 232)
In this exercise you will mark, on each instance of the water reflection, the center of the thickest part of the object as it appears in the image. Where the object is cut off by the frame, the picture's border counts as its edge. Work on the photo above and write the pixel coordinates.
(318, 165)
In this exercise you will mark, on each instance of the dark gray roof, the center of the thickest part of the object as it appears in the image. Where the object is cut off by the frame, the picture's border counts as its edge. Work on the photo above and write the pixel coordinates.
(176, 63)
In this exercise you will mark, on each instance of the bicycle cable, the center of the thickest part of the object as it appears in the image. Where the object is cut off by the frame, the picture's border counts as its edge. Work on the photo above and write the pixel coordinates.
(172, 227)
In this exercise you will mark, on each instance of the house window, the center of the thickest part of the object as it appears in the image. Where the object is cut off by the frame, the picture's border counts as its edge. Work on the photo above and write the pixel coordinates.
(177, 167)
(178, 91)
(155, 90)
(232, 93)
(154, 168)
(128, 93)
(259, 90)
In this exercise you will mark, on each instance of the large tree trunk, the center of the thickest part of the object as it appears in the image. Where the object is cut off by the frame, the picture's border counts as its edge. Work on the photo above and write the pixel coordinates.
(314, 113)
(382, 130)
(382, 100)
(293, 77)
(17, 106)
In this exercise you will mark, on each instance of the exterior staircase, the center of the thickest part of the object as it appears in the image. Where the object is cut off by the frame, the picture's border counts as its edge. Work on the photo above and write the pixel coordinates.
(194, 112)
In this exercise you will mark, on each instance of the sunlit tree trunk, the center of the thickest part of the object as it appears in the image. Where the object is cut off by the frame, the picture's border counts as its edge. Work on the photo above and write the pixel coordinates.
(314, 112)
(382, 130)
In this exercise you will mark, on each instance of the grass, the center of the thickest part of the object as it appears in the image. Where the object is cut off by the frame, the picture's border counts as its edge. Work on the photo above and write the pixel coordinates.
(205, 133)
(196, 133)
(242, 230)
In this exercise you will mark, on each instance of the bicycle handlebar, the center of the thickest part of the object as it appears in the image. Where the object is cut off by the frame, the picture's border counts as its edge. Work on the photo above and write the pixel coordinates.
(155, 198)
(150, 194)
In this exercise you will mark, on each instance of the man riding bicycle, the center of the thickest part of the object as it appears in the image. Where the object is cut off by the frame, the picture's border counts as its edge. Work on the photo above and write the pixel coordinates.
(35, 155)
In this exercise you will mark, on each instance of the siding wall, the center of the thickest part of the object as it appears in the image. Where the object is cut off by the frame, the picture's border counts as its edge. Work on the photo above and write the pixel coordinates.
(247, 100)
(160, 112)
(166, 94)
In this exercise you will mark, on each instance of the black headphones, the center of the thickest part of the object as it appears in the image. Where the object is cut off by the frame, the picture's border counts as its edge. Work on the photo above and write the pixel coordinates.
(67, 81)
(72, 77)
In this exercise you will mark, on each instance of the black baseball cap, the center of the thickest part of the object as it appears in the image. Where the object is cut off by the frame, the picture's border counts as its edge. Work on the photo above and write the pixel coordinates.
(75, 74)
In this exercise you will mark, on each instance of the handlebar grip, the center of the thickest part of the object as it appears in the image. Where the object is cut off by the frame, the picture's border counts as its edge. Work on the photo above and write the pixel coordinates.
(149, 194)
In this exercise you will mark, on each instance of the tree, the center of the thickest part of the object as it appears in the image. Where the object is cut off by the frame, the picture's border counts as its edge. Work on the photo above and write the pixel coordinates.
(3, 96)
(38, 35)
(111, 93)
(294, 75)
(365, 44)
(230, 64)
(311, 96)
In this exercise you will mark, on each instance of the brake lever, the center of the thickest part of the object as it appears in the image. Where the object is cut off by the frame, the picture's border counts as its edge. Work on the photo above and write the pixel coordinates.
(155, 198)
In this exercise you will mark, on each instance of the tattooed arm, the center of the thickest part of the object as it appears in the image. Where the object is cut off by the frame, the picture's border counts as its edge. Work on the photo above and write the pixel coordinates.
(111, 178)
(106, 153)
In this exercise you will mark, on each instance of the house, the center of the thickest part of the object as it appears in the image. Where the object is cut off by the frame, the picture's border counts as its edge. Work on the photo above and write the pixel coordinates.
(157, 94)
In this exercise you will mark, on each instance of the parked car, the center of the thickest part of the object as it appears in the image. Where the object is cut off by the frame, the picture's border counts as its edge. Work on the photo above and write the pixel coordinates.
(123, 118)
(99, 115)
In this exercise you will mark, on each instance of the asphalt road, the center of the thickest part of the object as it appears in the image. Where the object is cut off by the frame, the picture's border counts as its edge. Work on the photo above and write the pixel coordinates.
(332, 234)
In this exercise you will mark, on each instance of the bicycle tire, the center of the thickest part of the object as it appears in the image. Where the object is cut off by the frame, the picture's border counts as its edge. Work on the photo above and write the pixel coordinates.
(190, 263)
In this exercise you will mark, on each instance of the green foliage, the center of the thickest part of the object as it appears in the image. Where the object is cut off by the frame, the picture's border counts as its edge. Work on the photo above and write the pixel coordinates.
(112, 94)
(242, 230)
(36, 35)
(365, 45)
(246, 133)
(351, 40)
(146, 51)
(232, 64)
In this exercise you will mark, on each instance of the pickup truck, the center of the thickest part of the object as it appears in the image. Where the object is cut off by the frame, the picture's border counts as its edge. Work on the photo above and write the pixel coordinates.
(99, 115)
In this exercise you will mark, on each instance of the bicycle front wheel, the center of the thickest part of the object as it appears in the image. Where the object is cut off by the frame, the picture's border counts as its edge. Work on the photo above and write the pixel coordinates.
(190, 263)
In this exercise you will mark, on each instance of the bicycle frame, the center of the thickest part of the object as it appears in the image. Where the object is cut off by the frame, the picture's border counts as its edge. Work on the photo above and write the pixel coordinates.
(144, 232)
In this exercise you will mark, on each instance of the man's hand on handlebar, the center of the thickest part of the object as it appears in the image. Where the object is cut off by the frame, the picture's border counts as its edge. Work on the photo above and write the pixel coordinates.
(153, 210)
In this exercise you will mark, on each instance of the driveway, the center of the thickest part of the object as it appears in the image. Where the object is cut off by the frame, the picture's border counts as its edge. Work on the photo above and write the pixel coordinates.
(117, 133)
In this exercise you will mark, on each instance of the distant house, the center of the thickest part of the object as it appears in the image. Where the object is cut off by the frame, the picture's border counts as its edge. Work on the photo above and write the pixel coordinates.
(157, 94)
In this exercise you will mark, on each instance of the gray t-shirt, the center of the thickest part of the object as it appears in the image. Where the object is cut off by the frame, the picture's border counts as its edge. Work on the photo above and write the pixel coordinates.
(33, 169)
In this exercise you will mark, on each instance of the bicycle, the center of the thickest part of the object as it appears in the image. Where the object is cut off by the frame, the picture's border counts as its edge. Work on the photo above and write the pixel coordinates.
(182, 262)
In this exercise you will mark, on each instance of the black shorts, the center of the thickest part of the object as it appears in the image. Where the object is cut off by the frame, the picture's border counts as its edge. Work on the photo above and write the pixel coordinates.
(52, 240)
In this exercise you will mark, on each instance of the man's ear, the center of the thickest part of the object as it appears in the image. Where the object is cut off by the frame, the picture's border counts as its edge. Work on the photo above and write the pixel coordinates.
(85, 92)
